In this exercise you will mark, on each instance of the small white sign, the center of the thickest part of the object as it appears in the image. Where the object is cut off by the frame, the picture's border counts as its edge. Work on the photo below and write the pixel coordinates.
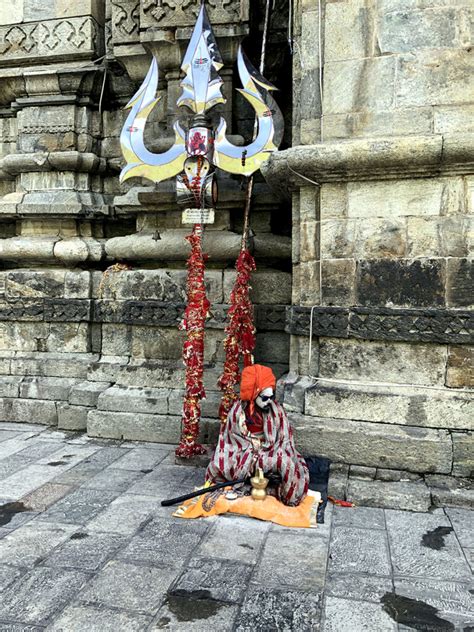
(198, 216)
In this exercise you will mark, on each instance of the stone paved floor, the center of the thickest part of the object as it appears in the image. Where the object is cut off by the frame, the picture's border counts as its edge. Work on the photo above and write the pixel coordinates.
(95, 551)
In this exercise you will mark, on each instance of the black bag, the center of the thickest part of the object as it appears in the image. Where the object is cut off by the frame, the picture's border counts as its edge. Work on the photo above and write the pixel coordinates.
(319, 467)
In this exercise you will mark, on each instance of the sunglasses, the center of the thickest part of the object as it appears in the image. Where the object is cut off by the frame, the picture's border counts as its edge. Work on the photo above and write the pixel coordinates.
(265, 398)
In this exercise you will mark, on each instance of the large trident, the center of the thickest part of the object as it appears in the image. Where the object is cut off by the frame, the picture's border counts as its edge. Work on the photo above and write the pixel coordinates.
(192, 158)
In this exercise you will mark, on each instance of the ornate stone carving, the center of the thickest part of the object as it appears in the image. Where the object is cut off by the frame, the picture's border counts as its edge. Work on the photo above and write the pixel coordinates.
(429, 325)
(43, 39)
(152, 313)
(170, 13)
(125, 20)
(327, 321)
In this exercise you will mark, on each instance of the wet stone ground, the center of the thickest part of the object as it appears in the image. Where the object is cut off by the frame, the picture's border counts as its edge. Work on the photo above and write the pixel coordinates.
(86, 546)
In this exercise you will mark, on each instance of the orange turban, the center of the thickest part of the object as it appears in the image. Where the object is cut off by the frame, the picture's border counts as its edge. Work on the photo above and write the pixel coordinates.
(255, 378)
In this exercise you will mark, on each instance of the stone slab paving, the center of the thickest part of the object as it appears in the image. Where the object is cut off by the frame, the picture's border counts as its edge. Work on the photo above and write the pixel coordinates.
(85, 546)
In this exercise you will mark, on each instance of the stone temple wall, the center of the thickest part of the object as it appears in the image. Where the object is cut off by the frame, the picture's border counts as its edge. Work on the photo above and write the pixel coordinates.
(380, 173)
(82, 345)
(377, 184)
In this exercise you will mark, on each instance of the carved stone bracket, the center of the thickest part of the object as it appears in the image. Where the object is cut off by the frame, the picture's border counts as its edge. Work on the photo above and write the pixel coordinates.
(172, 13)
(32, 42)
(416, 325)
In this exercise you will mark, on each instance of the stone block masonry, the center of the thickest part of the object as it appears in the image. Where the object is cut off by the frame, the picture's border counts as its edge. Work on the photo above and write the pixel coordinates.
(382, 248)
(375, 261)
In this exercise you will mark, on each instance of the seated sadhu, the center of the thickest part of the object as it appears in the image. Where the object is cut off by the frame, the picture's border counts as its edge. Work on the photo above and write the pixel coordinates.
(257, 434)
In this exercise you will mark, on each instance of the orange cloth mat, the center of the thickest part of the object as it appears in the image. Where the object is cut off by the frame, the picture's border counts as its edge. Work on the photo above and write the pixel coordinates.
(270, 509)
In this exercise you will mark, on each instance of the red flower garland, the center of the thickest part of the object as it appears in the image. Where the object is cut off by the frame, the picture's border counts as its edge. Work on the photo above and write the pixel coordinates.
(240, 339)
(193, 348)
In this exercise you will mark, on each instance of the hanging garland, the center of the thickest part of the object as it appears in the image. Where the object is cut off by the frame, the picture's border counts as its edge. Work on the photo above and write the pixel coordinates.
(240, 338)
(193, 348)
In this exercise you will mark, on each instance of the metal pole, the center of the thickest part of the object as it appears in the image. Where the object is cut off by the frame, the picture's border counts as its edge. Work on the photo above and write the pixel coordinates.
(249, 189)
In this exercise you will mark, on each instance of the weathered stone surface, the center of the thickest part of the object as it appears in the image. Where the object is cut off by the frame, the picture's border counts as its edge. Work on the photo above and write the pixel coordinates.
(138, 588)
(9, 386)
(417, 120)
(139, 400)
(361, 471)
(179, 612)
(452, 602)
(391, 404)
(412, 496)
(79, 507)
(359, 550)
(375, 445)
(461, 519)
(268, 286)
(460, 367)
(29, 543)
(43, 497)
(136, 426)
(125, 515)
(344, 615)
(360, 587)
(55, 388)
(338, 282)
(87, 393)
(448, 491)
(415, 554)
(404, 283)
(159, 285)
(114, 480)
(396, 475)
(72, 417)
(221, 541)
(78, 617)
(460, 281)
(35, 283)
(406, 31)
(338, 478)
(53, 364)
(423, 364)
(140, 459)
(270, 610)
(343, 79)
(463, 453)
(178, 541)
(394, 199)
(446, 84)
(85, 552)
(280, 564)
(36, 596)
(364, 517)
(223, 580)
(38, 410)
(8, 574)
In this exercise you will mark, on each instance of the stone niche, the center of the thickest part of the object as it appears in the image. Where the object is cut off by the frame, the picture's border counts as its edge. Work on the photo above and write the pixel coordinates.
(85, 345)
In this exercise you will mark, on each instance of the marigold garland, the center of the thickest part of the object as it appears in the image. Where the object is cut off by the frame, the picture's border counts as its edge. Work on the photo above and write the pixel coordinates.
(240, 338)
(193, 348)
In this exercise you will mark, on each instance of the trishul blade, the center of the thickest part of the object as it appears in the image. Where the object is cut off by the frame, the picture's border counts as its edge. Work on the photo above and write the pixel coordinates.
(140, 161)
(201, 85)
(246, 160)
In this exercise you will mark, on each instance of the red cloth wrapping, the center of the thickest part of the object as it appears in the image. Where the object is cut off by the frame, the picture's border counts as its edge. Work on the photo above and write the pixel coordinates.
(236, 457)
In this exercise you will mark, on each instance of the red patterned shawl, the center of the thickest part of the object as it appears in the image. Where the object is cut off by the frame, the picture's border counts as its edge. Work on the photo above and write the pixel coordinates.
(235, 455)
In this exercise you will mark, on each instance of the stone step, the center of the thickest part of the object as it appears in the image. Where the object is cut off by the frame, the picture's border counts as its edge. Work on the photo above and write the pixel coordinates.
(38, 411)
(134, 426)
(53, 388)
(391, 404)
(375, 444)
(46, 364)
